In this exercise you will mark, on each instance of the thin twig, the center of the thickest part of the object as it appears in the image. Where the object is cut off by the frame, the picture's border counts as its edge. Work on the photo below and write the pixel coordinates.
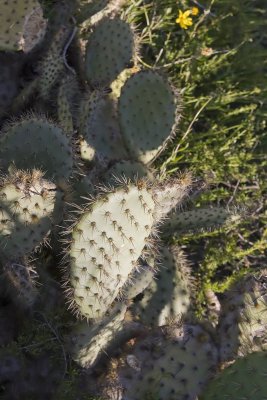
(234, 193)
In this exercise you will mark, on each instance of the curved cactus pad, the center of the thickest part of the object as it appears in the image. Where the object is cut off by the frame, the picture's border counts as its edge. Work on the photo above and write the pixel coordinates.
(36, 143)
(106, 242)
(147, 113)
(109, 50)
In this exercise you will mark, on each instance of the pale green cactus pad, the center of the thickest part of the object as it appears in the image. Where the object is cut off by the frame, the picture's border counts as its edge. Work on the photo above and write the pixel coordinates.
(174, 363)
(109, 50)
(22, 24)
(106, 243)
(27, 204)
(147, 114)
(37, 143)
(243, 380)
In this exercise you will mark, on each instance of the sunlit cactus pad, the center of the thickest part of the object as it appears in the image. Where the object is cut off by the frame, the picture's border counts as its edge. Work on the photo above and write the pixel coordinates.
(27, 204)
(106, 243)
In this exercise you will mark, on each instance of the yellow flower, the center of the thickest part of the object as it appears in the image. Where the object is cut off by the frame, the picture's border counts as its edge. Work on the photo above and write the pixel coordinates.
(184, 20)
(194, 11)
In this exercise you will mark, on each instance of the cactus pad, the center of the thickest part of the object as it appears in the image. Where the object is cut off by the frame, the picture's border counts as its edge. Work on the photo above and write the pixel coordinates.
(37, 143)
(147, 114)
(27, 203)
(105, 245)
(109, 50)
(199, 219)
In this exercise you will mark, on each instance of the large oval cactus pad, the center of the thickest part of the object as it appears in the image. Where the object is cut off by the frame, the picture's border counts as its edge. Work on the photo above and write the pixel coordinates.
(147, 114)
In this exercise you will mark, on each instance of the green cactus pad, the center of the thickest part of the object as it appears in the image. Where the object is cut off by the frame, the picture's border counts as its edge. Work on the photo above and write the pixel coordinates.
(22, 24)
(199, 219)
(147, 114)
(174, 362)
(168, 297)
(27, 205)
(243, 322)
(37, 143)
(243, 380)
(106, 243)
(109, 50)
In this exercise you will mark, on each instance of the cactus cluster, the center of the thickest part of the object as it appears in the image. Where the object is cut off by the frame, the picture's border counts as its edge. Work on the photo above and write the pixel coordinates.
(86, 220)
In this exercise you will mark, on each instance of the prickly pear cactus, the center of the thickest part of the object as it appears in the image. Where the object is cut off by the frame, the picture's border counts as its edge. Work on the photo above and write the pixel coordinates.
(199, 219)
(105, 244)
(37, 143)
(95, 209)
(147, 114)
(110, 48)
(27, 204)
